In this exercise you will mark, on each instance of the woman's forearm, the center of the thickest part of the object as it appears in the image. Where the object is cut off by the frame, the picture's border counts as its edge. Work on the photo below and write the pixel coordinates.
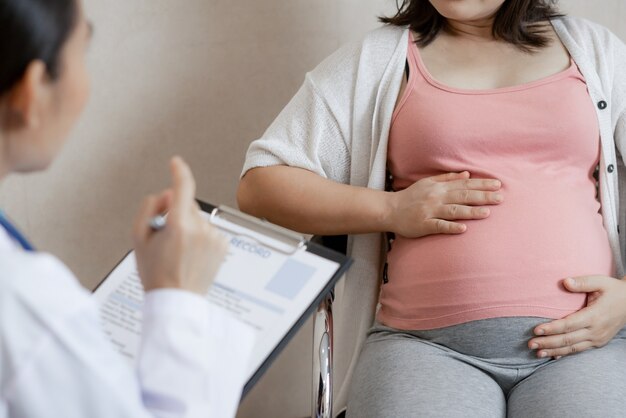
(306, 202)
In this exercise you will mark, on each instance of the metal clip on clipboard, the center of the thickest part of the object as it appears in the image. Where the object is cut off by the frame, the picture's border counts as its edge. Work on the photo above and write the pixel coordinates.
(276, 237)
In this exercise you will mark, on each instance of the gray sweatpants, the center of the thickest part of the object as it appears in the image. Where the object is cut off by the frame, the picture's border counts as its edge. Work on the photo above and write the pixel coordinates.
(484, 369)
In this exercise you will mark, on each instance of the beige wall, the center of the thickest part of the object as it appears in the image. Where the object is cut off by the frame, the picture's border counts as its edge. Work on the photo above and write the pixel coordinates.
(200, 78)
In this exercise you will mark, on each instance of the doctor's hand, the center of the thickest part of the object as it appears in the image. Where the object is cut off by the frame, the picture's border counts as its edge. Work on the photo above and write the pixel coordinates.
(593, 326)
(433, 205)
(188, 251)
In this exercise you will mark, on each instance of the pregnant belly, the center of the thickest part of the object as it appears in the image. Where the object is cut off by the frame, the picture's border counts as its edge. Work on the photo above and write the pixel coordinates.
(511, 264)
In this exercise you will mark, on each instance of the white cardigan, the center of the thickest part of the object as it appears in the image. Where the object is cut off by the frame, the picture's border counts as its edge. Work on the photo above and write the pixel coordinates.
(337, 126)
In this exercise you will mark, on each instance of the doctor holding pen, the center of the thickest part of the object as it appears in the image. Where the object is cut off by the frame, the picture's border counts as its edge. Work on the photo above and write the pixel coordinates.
(54, 359)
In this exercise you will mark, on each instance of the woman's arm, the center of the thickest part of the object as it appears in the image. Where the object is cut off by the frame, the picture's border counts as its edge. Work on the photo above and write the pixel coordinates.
(304, 201)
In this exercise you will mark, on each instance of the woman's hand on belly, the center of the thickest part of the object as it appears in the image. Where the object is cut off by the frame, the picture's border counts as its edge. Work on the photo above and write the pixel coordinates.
(593, 326)
(433, 204)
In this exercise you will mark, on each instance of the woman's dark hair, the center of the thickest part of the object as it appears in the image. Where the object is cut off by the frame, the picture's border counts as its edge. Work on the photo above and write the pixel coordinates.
(33, 30)
(519, 22)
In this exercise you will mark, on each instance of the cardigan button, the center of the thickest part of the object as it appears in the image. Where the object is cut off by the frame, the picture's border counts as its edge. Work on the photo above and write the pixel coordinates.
(610, 168)
(602, 105)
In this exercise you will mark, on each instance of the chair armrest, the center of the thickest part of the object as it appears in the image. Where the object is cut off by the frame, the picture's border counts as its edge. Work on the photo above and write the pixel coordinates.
(322, 399)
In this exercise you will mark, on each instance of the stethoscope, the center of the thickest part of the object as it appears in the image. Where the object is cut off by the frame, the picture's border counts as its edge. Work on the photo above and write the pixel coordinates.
(14, 233)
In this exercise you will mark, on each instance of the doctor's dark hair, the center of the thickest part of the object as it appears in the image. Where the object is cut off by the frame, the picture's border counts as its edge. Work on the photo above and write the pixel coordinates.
(519, 22)
(33, 30)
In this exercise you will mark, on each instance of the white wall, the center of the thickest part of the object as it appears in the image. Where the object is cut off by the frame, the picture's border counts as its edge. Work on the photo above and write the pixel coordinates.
(201, 78)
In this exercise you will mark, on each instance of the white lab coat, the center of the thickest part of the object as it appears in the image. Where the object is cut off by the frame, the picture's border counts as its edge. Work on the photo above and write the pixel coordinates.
(55, 361)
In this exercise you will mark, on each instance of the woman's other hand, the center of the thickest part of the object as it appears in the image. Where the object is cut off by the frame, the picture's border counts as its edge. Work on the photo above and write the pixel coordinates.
(593, 326)
(433, 205)
(187, 253)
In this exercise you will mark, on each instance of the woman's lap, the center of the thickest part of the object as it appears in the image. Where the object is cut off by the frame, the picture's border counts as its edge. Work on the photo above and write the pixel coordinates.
(401, 375)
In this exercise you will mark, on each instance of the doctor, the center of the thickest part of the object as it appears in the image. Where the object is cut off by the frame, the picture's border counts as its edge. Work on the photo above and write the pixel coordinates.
(54, 359)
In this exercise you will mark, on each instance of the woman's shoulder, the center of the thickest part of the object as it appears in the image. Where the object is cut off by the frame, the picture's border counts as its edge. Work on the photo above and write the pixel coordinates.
(382, 40)
(367, 57)
(587, 34)
(384, 36)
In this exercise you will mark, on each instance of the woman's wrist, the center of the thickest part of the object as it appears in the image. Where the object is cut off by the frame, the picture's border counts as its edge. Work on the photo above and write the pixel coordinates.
(382, 205)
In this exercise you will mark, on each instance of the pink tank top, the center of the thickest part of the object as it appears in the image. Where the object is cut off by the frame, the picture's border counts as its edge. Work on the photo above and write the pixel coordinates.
(541, 139)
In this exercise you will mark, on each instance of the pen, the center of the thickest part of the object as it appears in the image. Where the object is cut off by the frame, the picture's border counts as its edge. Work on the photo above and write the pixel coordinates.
(158, 222)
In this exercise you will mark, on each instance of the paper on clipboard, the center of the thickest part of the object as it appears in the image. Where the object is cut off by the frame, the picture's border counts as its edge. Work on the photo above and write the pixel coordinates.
(266, 281)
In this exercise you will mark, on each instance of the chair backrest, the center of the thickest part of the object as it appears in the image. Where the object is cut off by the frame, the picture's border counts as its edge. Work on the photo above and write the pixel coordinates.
(337, 243)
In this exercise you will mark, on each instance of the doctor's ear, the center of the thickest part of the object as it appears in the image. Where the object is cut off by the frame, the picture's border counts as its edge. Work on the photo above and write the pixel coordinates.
(25, 101)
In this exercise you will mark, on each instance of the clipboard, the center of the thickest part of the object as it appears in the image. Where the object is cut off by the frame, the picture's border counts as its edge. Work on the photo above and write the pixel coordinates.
(267, 236)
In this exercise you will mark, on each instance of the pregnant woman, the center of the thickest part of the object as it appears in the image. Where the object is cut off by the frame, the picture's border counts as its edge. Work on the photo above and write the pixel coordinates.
(500, 292)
